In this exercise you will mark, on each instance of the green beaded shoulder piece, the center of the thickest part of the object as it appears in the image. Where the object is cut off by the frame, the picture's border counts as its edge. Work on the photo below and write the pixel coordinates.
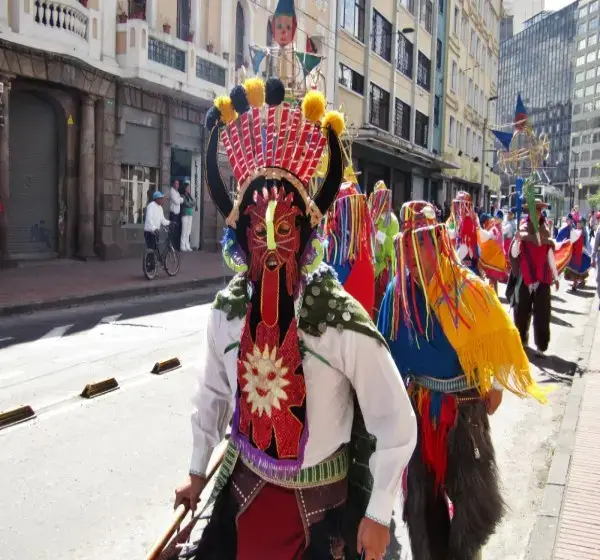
(325, 304)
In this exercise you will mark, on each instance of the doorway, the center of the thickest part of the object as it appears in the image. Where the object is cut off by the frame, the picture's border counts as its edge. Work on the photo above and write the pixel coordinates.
(186, 168)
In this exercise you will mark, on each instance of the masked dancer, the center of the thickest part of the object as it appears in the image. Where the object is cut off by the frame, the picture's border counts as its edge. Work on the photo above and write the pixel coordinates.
(463, 226)
(457, 349)
(292, 360)
(577, 270)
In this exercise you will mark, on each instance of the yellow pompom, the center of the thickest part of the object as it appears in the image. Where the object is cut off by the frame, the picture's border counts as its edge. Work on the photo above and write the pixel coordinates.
(313, 106)
(225, 106)
(335, 120)
(255, 91)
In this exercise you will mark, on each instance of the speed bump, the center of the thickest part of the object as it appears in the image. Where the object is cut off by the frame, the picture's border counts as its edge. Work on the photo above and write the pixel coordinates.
(16, 416)
(92, 390)
(162, 367)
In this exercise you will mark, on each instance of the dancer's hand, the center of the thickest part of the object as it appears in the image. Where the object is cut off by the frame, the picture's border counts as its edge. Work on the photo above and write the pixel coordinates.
(190, 491)
(493, 400)
(557, 284)
(373, 539)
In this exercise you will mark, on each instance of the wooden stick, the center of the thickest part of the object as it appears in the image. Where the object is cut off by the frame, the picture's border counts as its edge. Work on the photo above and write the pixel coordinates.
(183, 509)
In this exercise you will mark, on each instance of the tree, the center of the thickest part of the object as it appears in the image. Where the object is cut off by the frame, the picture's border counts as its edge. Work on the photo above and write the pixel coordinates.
(594, 201)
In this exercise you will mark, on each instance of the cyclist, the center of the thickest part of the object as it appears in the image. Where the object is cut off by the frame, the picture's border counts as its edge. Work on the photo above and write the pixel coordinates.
(154, 219)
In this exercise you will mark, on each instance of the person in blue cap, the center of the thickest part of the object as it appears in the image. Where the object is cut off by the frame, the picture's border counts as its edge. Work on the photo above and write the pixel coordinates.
(155, 218)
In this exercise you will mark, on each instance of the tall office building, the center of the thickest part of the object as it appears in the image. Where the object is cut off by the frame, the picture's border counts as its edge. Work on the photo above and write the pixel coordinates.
(585, 138)
(537, 64)
(518, 12)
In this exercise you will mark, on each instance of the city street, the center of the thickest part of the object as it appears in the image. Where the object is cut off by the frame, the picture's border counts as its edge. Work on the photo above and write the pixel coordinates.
(95, 479)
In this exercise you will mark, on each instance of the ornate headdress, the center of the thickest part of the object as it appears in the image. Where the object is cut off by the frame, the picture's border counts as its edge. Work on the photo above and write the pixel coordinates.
(380, 203)
(273, 151)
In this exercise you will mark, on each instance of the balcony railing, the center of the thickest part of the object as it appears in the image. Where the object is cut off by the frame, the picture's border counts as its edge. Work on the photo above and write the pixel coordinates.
(163, 53)
(211, 72)
(61, 17)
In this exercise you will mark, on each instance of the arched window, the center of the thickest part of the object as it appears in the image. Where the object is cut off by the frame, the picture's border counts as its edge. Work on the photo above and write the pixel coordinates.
(240, 36)
(270, 64)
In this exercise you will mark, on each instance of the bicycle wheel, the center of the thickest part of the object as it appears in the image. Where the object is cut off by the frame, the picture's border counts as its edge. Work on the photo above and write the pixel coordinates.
(171, 261)
(149, 264)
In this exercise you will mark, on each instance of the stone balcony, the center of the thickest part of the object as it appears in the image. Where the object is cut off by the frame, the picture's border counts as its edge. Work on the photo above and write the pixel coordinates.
(61, 26)
(166, 64)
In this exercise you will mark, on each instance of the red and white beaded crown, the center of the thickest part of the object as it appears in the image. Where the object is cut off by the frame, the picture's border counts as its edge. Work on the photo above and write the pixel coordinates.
(286, 144)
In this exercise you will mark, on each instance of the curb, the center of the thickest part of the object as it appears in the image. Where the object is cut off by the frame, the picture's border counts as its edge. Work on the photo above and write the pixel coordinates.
(545, 530)
(109, 295)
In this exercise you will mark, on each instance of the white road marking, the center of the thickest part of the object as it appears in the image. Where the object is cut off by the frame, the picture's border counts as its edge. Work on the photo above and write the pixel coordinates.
(110, 319)
(6, 338)
(56, 332)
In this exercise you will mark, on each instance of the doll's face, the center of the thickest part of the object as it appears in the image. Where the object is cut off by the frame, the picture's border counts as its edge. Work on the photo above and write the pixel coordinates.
(274, 235)
(283, 28)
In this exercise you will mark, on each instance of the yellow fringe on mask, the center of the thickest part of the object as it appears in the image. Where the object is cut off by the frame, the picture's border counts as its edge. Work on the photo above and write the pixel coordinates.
(482, 334)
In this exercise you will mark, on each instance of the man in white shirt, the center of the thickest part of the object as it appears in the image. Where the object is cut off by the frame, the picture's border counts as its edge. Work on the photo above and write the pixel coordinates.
(175, 202)
(155, 218)
(321, 425)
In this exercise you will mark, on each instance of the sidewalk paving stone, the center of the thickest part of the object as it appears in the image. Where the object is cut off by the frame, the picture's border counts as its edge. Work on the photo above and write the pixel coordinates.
(59, 283)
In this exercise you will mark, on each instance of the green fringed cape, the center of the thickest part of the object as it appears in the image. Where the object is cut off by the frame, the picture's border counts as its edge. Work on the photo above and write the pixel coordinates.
(325, 305)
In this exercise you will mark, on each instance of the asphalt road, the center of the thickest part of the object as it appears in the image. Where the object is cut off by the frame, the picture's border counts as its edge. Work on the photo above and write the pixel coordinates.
(94, 480)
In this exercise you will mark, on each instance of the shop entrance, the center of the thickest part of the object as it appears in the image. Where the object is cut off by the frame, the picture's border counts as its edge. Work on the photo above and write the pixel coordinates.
(185, 167)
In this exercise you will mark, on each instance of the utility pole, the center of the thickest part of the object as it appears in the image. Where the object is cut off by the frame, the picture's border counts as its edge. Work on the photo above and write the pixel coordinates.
(483, 151)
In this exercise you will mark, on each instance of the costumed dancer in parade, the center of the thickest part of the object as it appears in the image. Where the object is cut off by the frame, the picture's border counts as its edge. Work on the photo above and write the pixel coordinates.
(286, 350)
(492, 256)
(463, 226)
(386, 227)
(534, 267)
(349, 234)
(457, 349)
(577, 270)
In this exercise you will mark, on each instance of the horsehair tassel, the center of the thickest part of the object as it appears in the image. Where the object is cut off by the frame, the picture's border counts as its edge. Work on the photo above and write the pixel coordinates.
(315, 150)
(291, 141)
(230, 155)
(258, 141)
(285, 113)
(270, 134)
(248, 151)
(298, 160)
(238, 150)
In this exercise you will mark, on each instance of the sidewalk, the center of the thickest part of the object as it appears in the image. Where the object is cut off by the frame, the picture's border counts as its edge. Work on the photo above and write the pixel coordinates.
(60, 283)
(568, 525)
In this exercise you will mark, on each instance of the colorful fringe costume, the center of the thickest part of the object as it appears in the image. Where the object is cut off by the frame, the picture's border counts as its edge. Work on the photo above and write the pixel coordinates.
(463, 226)
(293, 363)
(386, 228)
(348, 232)
(453, 343)
(578, 268)
(493, 260)
(534, 271)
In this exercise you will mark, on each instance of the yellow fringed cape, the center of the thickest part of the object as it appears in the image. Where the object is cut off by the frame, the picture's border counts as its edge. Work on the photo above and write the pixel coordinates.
(482, 334)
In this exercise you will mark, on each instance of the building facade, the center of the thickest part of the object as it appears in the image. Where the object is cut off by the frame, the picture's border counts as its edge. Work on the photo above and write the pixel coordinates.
(517, 13)
(537, 63)
(387, 58)
(116, 93)
(585, 130)
(471, 73)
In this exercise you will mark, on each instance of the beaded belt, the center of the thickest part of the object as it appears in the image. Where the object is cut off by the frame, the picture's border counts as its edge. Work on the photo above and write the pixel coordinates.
(332, 469)
(454, 385)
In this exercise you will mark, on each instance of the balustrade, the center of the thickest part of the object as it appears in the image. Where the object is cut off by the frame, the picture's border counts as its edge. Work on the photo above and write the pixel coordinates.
(61, 16)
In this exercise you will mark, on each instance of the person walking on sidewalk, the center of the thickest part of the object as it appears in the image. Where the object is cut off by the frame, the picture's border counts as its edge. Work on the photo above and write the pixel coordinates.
(175, 201)
(155, 217)
(534, 268)
(187, 217)
(595, 250)
(457, 350)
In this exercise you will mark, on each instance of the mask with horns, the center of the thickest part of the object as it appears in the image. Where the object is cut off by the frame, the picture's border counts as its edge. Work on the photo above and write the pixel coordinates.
(273, 149)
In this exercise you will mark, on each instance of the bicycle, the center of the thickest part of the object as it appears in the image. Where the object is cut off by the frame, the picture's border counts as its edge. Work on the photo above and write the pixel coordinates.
(168, 258)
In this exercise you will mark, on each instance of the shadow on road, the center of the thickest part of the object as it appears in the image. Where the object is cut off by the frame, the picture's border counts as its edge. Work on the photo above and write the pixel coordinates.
(569, 311)
(555, 367)
(557, 321)
(557, 298)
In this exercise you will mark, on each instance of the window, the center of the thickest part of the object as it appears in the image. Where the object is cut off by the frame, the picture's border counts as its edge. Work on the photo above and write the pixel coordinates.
(453, 76)
(589, 91)
(593, 7)
(436, 111)
(476, 99)
(402, 120)
(577, 108)
(580, 61)
(381, 38)
(240, 36)
(353, 18)
(473, 43)
(579, 77)
(441, 6)
(464, 29)
(460, 140)
(470, 97)
(583, 12)
(451, 131)
(575, 141)
(591, 73)
(423, 71)
(351, 79)
(404, 63)
(421, 129)
(591, 57)
(461, 82)
(578, 93)
(592, 40)
(426, 18)
(137, 185)
(581, 29)
(379, 107)
(581, 44)
(409, 5)
(456, 21)
(593, 24)
(588, 106)
(438, 55)
(469, 146)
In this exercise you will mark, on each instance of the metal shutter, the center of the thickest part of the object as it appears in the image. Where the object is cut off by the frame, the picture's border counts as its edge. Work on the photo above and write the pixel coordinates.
(33, 206)
(141, 145)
